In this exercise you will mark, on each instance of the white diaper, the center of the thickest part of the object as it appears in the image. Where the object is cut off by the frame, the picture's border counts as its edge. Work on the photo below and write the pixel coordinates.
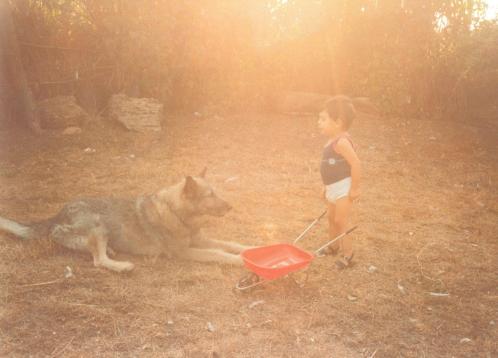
(338, 190)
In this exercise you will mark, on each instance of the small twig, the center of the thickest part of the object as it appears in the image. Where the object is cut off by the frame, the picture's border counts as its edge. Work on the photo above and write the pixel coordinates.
(374, 353)
(310, 323)
(80, 304)
(63, 348)
(42, 283)
(438, 294)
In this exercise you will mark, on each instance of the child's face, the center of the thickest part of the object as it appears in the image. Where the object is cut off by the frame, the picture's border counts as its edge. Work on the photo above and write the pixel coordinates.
(327, 125)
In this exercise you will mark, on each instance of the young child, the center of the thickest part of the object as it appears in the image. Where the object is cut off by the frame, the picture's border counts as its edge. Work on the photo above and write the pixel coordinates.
(340, 170)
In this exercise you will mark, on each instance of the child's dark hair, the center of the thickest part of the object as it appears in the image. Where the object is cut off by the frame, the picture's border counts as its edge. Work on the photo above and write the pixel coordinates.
(341, 107)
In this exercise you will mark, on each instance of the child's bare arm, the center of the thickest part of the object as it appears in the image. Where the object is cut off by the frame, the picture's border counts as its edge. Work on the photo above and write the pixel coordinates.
(345, 148)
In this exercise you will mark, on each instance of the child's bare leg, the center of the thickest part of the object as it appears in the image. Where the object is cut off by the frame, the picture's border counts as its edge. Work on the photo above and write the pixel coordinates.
(332, 228)
(341, 220)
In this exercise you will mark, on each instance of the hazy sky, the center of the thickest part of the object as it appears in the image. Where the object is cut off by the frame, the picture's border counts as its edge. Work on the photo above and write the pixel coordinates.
(492, 9)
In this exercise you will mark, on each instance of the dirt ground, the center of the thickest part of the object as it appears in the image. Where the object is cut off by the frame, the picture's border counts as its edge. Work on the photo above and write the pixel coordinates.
(425, 282)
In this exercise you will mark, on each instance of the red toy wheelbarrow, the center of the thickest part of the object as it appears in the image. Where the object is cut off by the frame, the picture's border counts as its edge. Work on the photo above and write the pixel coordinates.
(268, 263)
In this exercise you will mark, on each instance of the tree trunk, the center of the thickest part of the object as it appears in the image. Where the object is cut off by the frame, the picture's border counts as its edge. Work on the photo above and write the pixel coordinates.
(14, 88)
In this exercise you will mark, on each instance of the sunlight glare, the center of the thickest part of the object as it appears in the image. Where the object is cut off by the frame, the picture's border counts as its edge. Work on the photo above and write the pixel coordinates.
(492, 9)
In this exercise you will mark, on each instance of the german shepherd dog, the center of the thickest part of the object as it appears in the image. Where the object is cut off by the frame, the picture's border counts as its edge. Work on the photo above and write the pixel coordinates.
(166, 222)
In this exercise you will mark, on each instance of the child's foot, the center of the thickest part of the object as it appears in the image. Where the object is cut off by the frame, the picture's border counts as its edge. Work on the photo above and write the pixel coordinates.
(344, 262)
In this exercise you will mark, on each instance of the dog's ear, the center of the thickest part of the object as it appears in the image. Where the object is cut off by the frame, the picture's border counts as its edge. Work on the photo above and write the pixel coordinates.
(203, 173)
(190, 188)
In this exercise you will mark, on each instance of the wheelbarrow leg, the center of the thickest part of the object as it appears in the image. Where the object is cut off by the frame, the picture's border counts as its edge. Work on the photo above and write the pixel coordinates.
(248, 282)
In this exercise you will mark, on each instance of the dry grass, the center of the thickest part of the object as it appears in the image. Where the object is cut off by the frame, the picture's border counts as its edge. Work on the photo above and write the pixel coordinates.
(428, 222)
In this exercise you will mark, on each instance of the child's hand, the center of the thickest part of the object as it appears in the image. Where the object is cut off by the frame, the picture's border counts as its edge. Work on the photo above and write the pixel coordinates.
(354, 194)
(324, 194)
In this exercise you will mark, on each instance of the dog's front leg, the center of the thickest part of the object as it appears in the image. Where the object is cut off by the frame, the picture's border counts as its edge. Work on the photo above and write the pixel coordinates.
(210, 255)
(228, 246)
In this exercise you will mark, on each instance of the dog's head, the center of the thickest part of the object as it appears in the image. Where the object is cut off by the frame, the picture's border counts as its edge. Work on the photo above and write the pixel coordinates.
(201, 198)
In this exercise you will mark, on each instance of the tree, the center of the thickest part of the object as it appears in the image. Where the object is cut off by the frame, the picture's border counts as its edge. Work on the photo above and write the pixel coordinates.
(14, 88)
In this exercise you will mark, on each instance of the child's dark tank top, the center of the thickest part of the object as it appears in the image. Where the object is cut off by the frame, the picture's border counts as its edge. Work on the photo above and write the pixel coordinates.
(334, 167)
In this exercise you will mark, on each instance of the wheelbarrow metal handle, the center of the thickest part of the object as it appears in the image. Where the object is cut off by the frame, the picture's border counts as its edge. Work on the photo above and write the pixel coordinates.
(335, 239)
(310, 226)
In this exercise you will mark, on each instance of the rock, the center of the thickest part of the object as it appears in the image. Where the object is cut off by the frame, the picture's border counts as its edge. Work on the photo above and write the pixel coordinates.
(137, 114)
(402, 289)
(60, 112)
(72, 130)
(68, 272)
(210, 327)
(372, 269)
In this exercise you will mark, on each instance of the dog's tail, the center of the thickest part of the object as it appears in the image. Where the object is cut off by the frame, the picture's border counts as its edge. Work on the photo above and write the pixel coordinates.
(22, 231)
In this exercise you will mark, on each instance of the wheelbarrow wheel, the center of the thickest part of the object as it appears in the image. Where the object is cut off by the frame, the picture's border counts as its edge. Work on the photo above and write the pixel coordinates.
(247, 282)
(300, 278)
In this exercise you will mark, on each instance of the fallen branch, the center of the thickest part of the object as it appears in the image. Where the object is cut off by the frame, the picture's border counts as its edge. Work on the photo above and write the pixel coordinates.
(42, 283)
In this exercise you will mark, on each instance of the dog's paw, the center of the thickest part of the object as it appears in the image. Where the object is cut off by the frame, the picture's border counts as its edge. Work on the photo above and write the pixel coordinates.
(126, 266)
(238, 261)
